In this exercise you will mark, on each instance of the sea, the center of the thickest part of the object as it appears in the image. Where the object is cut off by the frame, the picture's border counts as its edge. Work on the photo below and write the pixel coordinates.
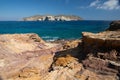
(54, 30)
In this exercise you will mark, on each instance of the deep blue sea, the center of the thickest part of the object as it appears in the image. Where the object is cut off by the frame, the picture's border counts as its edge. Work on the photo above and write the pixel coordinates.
(50, 30)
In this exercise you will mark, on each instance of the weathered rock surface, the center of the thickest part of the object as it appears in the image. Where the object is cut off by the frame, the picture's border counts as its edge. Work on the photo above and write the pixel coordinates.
(108, 39)
(68, 44)
(105, 41)
(67, 66)
(28, 57)
(102, 52)
(25, 55)
(115, 25)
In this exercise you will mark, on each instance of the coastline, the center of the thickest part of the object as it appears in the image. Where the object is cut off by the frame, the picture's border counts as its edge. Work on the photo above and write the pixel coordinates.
(95, 56)
(49, 30)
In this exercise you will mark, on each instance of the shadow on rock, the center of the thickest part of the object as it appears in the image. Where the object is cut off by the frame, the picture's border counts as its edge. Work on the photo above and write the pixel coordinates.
(1, 78)
(67, 56)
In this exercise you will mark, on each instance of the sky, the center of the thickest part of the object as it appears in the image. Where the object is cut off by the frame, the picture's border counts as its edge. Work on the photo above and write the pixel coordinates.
(87, 9)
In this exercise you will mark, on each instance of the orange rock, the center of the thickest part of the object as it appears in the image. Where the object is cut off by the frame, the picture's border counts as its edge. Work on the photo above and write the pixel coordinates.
(65, 61)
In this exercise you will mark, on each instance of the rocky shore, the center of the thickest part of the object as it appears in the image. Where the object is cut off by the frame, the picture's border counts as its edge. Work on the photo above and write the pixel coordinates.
(94, 57)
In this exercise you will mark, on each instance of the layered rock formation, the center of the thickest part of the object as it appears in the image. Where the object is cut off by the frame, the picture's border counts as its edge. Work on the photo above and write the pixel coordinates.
(28, 57)
(97, 57)
(102, 51)
(52, 18)
(108, 39)
(25, 56)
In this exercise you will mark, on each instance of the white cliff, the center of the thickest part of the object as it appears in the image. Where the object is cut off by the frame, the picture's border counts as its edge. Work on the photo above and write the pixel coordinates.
(52, 18)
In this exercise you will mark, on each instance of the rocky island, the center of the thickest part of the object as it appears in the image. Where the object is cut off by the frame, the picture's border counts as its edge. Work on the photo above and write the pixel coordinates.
(94, 57)
(52, 18)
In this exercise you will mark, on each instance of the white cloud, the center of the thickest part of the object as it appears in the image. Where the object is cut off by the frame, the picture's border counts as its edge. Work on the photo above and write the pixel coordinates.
(94, 3)
(107, 5)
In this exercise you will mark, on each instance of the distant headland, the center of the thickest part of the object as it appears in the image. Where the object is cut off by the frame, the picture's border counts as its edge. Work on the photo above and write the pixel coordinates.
(52, 18)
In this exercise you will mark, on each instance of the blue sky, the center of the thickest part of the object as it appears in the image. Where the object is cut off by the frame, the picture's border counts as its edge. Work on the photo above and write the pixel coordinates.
(87, 9)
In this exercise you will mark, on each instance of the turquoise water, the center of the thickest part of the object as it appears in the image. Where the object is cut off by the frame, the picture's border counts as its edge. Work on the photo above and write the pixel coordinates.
(53, 30)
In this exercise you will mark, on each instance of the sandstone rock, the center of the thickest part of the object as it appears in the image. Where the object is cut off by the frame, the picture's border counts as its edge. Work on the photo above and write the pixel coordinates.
(110, 55)
(89, 75)
(71, 44)
(104, 45)
(99, 65)
(65, 61)
(25, 55)
(102, 54)
(99, 54)
(28, 57)
(108, 39)
(68, 68)
(115, 25)
(68, 44)
(64, 68)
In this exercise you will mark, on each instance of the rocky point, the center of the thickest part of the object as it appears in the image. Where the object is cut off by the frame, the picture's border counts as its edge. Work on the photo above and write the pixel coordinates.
(94, 57)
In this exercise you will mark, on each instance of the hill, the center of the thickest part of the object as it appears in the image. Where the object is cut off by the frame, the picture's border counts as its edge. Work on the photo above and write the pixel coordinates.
(53, 18)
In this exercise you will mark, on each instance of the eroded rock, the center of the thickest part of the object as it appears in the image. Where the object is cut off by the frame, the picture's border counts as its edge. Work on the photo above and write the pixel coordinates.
(28, 57)
(25, 55)
(102, 52)
(109, 39)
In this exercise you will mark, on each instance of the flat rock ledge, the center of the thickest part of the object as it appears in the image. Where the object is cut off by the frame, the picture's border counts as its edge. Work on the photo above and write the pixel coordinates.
(106, 39)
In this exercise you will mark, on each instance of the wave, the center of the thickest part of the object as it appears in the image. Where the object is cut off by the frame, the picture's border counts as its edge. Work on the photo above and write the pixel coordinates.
(50, 38)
